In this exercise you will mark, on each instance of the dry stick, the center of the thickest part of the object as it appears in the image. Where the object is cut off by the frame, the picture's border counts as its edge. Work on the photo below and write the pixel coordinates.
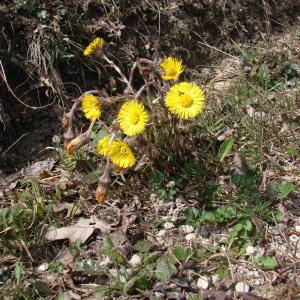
(124, 79)
(14, 143)
(214, 48)
(2, 74)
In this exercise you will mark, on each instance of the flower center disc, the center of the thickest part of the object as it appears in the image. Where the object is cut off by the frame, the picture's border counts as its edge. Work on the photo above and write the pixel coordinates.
(134, 118)
(186, 100)
(172, 72)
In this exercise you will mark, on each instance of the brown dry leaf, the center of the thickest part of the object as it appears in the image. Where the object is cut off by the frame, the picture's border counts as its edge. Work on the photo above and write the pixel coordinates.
(81, 231)
(65, 257)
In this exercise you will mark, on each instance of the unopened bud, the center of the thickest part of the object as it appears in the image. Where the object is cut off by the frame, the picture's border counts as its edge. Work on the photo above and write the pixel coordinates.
(101, 193)
(77, 143)
(65, 122)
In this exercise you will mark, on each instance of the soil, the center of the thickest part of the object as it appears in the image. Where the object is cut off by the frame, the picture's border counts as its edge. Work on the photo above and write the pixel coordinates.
(40, 50)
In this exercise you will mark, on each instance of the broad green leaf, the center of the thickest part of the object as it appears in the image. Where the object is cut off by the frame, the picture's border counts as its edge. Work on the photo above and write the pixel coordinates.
(182, 253)
(246, 224)
(267, 262)
(284, 189)
(143, 246)
(164, 269)
(225, 148)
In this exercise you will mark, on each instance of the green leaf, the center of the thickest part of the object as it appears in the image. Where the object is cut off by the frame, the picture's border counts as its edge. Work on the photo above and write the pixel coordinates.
(225, 148)
(284, 189)
(223, 272)
(143, 246)
(164, 269)
(18, 272)
(182, 253)
(246, 224)
(267, 262)
(151, 257)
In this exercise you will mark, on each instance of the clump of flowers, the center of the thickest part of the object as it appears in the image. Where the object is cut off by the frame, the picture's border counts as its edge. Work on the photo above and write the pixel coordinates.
(148, 116)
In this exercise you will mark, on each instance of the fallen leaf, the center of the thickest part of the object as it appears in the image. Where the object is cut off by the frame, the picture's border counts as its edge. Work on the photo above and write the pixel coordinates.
(81, 231)
(65, 257)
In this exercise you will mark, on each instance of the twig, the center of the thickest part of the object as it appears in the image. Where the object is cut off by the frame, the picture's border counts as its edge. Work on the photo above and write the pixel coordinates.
(214, 48)
(2, 73)
(124, 79)
(14, 143)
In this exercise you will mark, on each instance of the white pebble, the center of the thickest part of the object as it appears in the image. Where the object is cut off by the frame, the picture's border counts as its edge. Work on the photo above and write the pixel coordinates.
(242, 287)
(215, 278)
(135, 260)
(250, 250)
(203, 282)
(161, 232)
(190, 236)
(187, 228)
(43, 267)
(169, 225)
(106, 261)
(293, 238)
(297, 227)
(113, 273)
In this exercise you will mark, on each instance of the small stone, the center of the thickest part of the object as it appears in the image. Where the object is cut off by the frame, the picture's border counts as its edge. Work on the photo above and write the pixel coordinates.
(162, 232)
(203, 282)
(215, 278)
(106, 261)
(293, 238)
(242, 287)
(43, 267)
(250, 250)
(135, 260)
(153, 197)
(190, 236)
(113, 273)
(297, 228)
(187, 228)
(169, 225)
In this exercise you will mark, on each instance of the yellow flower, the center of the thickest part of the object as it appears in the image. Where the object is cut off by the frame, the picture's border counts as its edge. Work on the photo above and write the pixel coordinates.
(102, 146)
(172, 68)
(132, 118)
(121, 155)
(91, 107)
(185, 100)
(96, 44)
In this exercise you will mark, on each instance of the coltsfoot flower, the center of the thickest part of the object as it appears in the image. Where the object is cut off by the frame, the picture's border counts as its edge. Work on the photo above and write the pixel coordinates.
(103, 146)
(91, 107)
(133, 118)
(185, 100)
(96, 45)
(172, 68)
(121, 155)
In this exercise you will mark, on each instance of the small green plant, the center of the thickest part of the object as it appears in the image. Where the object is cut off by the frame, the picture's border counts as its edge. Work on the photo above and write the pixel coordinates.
(154, 118)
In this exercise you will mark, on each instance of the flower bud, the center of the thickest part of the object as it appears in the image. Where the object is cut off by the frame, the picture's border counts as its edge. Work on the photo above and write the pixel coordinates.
(65, 123)
(78, 142)
(101, 193)
(104, 182)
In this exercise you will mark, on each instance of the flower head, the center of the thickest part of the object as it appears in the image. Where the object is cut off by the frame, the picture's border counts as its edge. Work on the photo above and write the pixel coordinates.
(91, 107)
(185, 100)
(133, 118)
(121, 155)
(172, 68)
(103, 146)
(95, 45)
